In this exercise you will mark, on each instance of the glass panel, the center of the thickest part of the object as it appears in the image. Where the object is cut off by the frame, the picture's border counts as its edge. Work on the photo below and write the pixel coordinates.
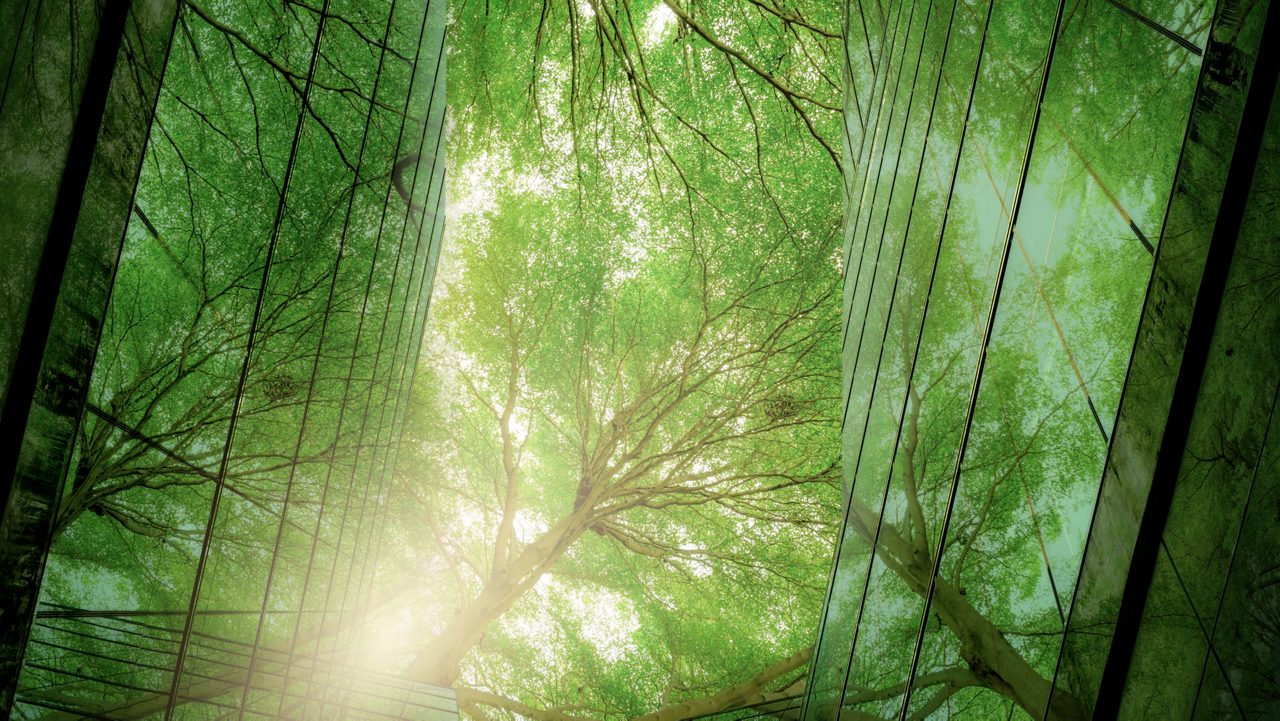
(1223, 472)
(1170, 651)
(1055, 364)
(882, 240)
(880, 104)
(1215, 699)
(867, 41)
(1188, 19)
(938, 385)
(351, 258)
(130, 527)
(1148, 389)
(1246, 633)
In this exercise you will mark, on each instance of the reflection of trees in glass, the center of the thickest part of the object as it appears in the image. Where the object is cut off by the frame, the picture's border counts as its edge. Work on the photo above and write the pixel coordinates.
(250, 230)
(165, 381)
(178, 379)
(993, 491)
(619, 472)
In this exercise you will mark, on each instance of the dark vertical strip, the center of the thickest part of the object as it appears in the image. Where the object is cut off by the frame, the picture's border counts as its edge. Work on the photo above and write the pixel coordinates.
(1186, 390)
(1159, 336)
(57, 247)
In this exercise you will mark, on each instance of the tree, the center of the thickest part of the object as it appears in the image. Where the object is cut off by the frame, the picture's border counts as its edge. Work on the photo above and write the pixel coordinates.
(634, 364)
(701, 400)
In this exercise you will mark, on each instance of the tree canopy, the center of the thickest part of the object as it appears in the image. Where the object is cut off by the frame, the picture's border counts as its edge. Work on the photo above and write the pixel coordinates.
(625, 455)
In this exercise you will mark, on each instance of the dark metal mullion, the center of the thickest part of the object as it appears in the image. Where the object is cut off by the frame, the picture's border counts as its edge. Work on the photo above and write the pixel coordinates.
(20, 396)
(244, 373)
(1170, 34)
(992, 310)
(1199, 336)
(96, 95)
(57, 247)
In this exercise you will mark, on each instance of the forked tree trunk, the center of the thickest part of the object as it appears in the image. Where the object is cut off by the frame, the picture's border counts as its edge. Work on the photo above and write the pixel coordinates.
(438, 663)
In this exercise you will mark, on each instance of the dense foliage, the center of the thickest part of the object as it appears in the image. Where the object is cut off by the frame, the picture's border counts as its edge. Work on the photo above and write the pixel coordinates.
(625, 457)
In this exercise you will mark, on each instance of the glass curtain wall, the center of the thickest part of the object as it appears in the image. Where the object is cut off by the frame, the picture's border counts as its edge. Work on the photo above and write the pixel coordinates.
(1210, 621)
(1032, 190)
(76, 103)
(214, 541)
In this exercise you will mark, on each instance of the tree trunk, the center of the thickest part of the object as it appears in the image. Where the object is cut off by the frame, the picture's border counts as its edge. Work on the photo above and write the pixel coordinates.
(993, 660)
(439, 662)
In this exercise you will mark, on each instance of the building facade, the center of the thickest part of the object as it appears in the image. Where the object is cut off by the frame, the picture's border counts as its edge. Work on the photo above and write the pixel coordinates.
(224, 221)
(1061, 475)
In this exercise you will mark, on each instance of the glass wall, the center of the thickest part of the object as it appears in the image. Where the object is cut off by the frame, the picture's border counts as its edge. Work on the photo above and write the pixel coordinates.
(216, 535)
(1212, 615)
(76, 102)
(1026, 183)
